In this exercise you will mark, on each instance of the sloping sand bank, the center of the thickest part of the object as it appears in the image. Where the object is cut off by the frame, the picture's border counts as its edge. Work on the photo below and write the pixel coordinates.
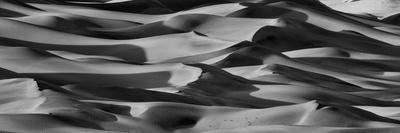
(199, 66)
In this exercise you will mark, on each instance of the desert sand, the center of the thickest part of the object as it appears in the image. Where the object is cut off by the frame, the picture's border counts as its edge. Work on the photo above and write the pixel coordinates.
(200, 66)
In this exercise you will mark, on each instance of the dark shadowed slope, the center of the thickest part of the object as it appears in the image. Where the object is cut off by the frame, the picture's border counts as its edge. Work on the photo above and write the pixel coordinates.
(199, 66)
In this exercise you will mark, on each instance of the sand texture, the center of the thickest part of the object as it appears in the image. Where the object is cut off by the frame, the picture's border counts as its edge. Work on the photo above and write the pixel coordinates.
(200, 66)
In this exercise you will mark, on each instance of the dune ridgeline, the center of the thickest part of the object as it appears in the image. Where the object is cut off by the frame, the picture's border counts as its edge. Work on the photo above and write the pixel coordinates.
(200, 66)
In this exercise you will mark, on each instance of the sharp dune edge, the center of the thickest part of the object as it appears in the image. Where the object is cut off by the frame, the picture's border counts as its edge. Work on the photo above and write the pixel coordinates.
(200, 66)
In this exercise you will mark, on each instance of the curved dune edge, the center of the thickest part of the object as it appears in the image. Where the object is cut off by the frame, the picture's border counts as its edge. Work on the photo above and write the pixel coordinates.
(199, 66)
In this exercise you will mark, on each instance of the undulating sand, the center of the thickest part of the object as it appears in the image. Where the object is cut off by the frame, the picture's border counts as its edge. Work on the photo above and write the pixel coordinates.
(200, 66)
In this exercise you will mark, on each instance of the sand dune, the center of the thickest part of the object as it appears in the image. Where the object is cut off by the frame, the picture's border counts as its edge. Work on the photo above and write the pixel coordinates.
(36, 63)
(199, 66)
(378, 8)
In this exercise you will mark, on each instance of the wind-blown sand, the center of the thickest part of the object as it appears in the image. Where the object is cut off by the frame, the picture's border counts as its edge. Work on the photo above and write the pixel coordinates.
(200, 66)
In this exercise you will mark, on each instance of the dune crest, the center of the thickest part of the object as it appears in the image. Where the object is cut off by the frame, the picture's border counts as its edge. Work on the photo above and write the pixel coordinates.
(199, 66)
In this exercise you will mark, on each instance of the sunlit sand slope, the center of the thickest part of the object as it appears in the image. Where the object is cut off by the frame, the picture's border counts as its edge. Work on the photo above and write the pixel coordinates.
(199, 66)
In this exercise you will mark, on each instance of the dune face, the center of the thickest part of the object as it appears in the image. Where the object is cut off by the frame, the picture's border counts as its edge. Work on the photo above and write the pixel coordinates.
(199, 66)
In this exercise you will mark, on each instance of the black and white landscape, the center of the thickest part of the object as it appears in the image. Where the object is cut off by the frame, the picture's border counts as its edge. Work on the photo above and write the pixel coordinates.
(200, 66)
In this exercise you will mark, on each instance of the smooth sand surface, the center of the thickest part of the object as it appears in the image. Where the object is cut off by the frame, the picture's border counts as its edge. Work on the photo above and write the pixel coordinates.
(199, 66)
